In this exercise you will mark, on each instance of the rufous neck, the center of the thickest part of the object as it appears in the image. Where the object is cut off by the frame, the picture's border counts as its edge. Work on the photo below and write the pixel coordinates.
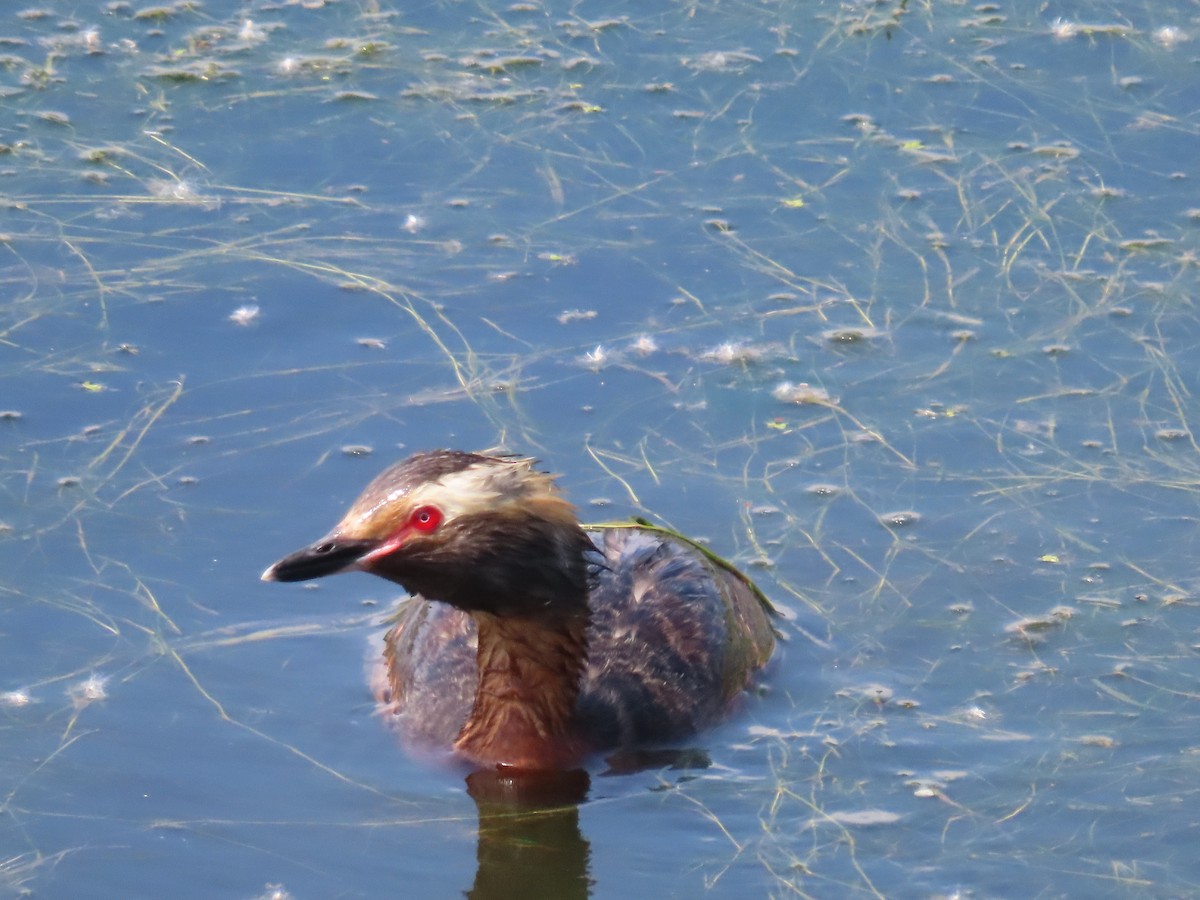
(524, 711)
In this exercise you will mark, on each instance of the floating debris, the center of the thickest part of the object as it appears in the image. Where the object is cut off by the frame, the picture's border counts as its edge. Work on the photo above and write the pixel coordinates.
(1168, 36)
(864, 817)
(54, 117)
(598, 358)
(849, 335)
(162, 13)
(1146, 243)
(575, 315)
(721, 61)
(803, 394)
(244, 315)
(876, 693)
(19, 697)
(900, 519)
(469, 87)
(822, 490)
(579, 106)
(580, 62)
(97, 155)
(578, 28)
(251, 33)
(1033, 629)
(197, 71)
(1099, 600)
(354, 96)
(1063, 29)
(738, 353)
(358, 47)
(91, 689)
(178, 190)
(1058, 151)
(506, 63)
(312, 65)
(644, 345)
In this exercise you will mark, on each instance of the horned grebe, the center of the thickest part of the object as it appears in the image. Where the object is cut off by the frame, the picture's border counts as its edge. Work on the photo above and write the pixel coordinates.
(528, 641)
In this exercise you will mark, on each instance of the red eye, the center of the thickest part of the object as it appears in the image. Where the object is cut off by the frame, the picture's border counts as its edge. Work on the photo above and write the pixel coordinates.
(425, 519)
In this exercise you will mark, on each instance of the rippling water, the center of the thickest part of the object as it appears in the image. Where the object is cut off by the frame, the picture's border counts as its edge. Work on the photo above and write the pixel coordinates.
(892, 304)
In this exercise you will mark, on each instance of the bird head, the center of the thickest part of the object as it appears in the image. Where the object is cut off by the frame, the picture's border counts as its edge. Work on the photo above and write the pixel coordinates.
(486, 533)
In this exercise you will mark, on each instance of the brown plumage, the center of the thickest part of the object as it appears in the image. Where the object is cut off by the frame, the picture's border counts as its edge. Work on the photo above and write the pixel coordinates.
(528, 641)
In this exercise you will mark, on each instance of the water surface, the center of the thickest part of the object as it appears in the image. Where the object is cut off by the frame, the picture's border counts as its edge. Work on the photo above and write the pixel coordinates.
(891, 304)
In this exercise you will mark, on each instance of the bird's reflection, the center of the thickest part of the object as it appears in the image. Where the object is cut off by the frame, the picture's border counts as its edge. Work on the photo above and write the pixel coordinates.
(530, 844)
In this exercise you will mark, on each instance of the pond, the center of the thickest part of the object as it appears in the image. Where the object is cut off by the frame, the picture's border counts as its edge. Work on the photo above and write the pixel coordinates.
(890, 304)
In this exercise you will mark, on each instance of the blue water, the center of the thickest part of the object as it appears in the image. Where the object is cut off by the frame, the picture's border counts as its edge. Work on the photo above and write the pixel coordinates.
(893, 305)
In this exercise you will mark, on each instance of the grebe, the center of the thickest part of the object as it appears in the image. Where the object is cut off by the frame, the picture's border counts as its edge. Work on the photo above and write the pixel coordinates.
(528, 641)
